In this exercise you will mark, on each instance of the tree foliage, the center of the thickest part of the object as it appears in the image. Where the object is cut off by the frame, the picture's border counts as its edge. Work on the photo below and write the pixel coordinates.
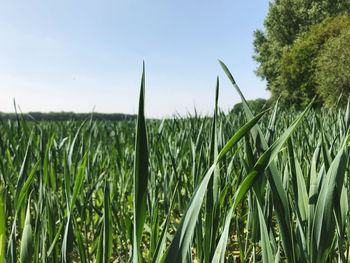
(333, 70)
(256, 106)
(286, 21)
(297, 79)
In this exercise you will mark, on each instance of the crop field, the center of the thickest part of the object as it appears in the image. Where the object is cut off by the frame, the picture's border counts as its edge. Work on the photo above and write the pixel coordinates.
(269, 186)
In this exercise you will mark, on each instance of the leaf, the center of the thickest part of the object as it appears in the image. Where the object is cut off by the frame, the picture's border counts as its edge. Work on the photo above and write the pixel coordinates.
(265, 239)
(267, 158)
(2, 225)
(178, 249)
(302, 193)
(107, 227)
(68, 235)
(219, 255)
(158, 253)
(279, 195)
(324, 224)
(212, 202)
(140, 174)
(26, 253)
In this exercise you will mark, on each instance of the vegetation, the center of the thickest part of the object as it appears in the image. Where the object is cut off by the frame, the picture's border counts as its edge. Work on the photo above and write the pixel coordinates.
(333, 70)
(233, 188)
(298, 81)
(66, 116)
(295, 31)
(256, 106)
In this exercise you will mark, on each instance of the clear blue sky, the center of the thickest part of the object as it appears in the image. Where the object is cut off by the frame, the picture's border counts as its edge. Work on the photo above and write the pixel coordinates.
(62, 55)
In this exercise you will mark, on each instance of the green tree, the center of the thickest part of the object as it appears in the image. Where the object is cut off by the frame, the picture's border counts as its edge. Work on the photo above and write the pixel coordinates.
(285, 22)
(297, 79)
(256, 106)
(333, 70)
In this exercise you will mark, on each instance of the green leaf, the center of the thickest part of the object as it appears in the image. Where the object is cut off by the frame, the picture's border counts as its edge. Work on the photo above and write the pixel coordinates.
(324, 222)
(140, 174)
(219, 255)
(212, 203)
(2, 225)
(279, 195)
(107, 227)
(27, 239)
(158, 255)
(68, 232)
(181, 242)
(265, 239)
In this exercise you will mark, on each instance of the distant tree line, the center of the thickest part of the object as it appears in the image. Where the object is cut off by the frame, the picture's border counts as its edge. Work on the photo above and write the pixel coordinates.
(66, 116)
(304, 51)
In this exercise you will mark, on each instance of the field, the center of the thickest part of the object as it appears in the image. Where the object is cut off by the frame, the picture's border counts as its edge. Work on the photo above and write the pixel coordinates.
(268, 186)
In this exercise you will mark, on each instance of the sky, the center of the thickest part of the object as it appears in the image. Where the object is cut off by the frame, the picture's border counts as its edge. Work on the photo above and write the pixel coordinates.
(63, 55)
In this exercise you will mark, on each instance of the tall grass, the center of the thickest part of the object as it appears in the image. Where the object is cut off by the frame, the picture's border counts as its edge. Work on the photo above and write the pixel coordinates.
(269, 186)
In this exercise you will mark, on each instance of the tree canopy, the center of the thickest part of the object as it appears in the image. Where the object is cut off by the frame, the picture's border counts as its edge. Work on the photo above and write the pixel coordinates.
(333, 70)
(255, 105)
(288, 21)
(298, 65)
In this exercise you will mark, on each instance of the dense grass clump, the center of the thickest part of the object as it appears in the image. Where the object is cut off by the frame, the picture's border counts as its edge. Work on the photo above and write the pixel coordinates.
(269, 186)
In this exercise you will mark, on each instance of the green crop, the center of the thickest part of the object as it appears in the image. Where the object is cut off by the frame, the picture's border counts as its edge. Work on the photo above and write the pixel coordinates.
(2, 226)
(269, 186)
(27, 238)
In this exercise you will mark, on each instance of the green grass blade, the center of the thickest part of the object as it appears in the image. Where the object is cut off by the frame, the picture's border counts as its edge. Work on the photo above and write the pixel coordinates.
(140, 174)
(324, 221)
(219, 255)
(46, 161)
(181, 242)
(67, 242)
(302, 200)
(23, 172)
(107, 227)
(2, 225)
(71, 148)
(267, 158)
(272, 124)
(161, 245)
(347, 115)
(212, 203)
(265, 239)
(26, 253)
(52, 246)
(239, 134)
(78, 182)
(279, 195)
(80, 242)
(24, 190)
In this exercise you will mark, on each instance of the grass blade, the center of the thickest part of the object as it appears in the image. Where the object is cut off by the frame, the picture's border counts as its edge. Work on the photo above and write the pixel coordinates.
(212, 203)
(140, 173)
(265, 239)
(27, 239)
(324, 221)
(181, 242)
(2, 225)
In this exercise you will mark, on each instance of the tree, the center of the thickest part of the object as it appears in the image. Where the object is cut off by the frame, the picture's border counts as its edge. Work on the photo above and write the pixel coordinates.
(333, 70)
(285, 22)
(297, 79)
(256, 106)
